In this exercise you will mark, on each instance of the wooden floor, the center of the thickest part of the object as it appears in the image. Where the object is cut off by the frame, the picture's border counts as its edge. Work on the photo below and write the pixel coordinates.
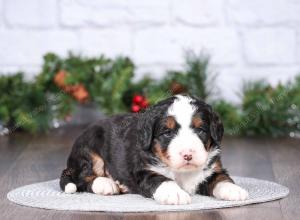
(27, 159)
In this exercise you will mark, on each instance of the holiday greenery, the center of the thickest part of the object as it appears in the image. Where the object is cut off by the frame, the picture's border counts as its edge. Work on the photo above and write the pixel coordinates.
(64, 83)
(23, 104)
(100, 80)
(271, 110)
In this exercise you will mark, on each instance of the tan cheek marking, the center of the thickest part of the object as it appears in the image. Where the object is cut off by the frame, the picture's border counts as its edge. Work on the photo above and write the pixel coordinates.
(163, 155)
(170, 122)
(98, 164)
(197, 122)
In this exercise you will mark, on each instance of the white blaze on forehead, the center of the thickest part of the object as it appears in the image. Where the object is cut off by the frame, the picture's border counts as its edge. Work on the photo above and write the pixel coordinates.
(182, 110)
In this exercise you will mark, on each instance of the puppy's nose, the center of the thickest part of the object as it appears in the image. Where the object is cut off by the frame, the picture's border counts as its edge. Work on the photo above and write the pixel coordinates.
(187, 157)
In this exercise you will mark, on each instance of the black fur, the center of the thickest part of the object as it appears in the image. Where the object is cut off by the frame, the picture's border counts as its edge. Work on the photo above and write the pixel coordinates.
(125, 143)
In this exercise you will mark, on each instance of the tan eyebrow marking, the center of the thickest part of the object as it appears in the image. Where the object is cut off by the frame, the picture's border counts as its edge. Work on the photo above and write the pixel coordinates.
(197, 122)
(170, 122)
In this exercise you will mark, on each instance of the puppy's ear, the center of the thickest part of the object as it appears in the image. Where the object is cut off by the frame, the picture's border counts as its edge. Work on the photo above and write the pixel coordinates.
(216, 128)
(147, 122)
(145, 131)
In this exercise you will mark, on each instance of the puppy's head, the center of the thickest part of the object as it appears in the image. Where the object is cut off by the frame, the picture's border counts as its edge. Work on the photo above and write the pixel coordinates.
(182, 132)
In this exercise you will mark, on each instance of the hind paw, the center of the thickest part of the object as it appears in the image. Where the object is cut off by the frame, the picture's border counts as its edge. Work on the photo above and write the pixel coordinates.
(70, 188)
(104, 186)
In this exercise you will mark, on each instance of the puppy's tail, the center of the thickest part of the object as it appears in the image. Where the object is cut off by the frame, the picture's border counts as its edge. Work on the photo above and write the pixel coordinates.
(66, 182)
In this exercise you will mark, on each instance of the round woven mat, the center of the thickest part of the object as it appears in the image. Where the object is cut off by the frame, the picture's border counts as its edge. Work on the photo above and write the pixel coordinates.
(48, 195)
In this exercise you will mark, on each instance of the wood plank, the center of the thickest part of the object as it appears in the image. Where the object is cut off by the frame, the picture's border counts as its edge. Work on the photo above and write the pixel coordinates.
(10, 148)
(45, 156)
(285, 156)
(42, 160)
(249, 157)
(245, 157)
(251, 213)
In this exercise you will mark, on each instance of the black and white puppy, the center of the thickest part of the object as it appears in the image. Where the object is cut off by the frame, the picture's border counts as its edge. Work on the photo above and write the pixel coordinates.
(169, 152)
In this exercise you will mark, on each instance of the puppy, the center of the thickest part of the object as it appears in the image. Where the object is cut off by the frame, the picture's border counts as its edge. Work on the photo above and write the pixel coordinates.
(169, 152)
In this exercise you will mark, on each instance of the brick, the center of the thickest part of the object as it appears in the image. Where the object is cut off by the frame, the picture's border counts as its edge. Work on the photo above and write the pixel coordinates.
(110, 13)
(269, 46)
(1, 13)
(28, 47)
(149, 12)
(93, 13)
(198, 11)
(259, 12)
(156, 45)
(220, 43)
(230, 80)
(111, 42)
(30, 13)
(228, 85)
(168, 45)
(157, 71)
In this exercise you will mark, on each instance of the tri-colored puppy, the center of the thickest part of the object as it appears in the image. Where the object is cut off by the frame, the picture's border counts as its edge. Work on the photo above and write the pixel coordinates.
(169, 152)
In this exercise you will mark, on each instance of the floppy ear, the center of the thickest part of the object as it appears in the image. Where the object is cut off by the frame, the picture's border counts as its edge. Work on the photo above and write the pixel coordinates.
(216, 128)
(145, 128)
(147, 122)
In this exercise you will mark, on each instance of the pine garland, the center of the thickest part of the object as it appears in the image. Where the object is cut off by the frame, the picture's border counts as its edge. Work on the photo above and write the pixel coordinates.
(66, 82)
(23, 105)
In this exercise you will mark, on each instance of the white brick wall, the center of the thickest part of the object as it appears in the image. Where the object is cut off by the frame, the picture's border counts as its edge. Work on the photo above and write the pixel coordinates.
(30, 14)
(270, 46)
(263, 12)
(247, 39)
(198, 12)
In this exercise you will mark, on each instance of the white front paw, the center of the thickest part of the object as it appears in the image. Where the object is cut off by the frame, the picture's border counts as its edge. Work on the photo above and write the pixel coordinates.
(104, 186)
(169, 193)
(229, 191)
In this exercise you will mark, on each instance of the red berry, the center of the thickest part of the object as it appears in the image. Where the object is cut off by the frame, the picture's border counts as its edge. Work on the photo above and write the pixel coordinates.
(137, 99)
(135, 108)
(144, 103)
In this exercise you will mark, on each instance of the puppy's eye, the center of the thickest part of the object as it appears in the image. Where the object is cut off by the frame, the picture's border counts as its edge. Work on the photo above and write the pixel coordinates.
(200, 130)
(168, 133)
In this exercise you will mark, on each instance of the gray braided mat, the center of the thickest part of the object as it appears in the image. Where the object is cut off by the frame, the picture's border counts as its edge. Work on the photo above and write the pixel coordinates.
(48, 195)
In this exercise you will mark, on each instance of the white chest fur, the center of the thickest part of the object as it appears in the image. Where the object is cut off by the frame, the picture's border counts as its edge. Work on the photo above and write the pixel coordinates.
(190, 181)
(186, 180)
